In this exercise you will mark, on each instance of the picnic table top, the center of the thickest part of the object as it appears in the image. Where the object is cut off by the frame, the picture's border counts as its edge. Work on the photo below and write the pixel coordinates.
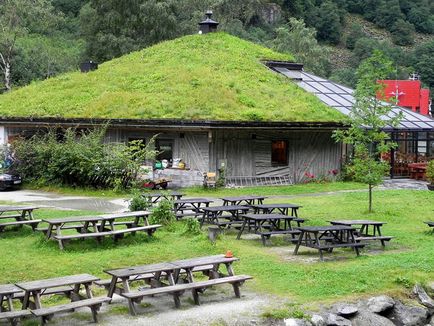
(276, 206)
(261, 217)
(357, 222)
(96, 218)
(225, 208)
(57, 282)
(169, 266)
(162, 194)
(6, 289)
(193, 200)
(17, 208)
(242, 198)
(325, 228)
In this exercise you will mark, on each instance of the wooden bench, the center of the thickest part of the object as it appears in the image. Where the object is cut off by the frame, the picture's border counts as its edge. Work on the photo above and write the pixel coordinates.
(371, 238)
(267, 234)
(94, 304)
(14, 316)
(32, 223)
(98, 235)
(15, 216)
(79, 228)
(178, 289)
(66, 290)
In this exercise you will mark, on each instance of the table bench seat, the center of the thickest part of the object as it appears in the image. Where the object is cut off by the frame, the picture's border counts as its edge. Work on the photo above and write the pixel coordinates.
(339, 245)
(94, 304)
(178, 289)
(381, 238)
(98, 235)
(15, 216)
(267, 234)
(14, 316)
(32, 223)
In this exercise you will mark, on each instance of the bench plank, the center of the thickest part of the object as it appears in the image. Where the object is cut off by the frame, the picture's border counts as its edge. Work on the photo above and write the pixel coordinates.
(32, 223)
(68, 306)
(178, 289)
(14, 314)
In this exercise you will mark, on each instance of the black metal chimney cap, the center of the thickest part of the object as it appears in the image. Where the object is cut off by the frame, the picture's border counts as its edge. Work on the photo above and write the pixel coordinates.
(208, 25)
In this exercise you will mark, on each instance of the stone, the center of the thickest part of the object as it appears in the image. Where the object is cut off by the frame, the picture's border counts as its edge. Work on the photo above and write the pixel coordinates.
(335, 320)
(380, 304)
(346, 310)
(431, 322)
(423, 297)
(296, 322)
(409, 315)
(431, 287)
(317, 320)
(367, 318)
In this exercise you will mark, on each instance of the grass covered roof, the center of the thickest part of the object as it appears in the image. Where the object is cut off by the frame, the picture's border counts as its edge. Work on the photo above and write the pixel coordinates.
(198, 77)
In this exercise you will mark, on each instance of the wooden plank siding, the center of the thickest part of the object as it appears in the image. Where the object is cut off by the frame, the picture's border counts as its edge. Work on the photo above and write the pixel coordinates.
(249, 153)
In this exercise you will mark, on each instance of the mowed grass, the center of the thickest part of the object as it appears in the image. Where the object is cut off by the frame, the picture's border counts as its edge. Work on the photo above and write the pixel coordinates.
(407, 259)
(213, 192)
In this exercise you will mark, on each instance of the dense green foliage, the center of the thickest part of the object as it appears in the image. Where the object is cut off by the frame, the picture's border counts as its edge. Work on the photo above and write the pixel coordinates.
(214, 76)
(163, 213)
(408, 258)
(78, 158)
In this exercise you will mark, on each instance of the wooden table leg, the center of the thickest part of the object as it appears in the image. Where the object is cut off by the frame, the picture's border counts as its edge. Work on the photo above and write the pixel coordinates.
(37, 299)
(26, 300)
(112, 287)
(300, 238)
(89, 293)
(242, 229)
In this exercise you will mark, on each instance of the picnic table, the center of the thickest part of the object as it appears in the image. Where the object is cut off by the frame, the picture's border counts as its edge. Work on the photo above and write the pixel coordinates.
(166, 278)
(194, 205)
(327, 238)
(243, 200)
(266, 225)
(67, 285)
(23, 215)
(367, 230)
(97, 226)
(9, 292)
(213, 215)
(280, 208)
(155, 197)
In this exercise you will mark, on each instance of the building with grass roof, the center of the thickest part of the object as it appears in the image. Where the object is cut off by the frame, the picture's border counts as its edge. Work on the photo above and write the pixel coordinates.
(214, 101)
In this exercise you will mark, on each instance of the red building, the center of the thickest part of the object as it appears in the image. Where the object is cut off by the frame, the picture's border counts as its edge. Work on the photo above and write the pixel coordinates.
(409, 94)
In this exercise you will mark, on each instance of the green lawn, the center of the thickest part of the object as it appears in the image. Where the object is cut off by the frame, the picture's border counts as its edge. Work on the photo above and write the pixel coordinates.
(409, 257)
(219, 192)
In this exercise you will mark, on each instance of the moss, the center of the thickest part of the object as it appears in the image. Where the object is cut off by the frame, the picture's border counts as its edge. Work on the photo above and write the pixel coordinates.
(198, 77)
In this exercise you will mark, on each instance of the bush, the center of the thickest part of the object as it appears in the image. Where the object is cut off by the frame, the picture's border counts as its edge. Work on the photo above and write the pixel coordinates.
(163, 214)
(138, 203)
(430, 172)
(402, 33)
(192, 226)
(79, 158)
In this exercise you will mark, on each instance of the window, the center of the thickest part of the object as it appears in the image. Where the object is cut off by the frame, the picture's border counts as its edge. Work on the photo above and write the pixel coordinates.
(165, 149)
(279, 152)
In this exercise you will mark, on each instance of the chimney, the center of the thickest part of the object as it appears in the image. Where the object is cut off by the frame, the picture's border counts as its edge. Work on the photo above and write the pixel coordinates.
(88, 66)
(208, 25)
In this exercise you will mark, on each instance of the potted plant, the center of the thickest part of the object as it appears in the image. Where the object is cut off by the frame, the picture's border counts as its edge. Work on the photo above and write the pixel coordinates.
(430, 175)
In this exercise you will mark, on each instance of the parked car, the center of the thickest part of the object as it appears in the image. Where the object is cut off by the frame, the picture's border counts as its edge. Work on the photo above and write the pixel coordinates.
(9, 180)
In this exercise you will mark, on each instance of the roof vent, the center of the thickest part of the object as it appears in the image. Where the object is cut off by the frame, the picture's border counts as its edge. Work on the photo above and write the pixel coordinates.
(88, 66)
(208, 25)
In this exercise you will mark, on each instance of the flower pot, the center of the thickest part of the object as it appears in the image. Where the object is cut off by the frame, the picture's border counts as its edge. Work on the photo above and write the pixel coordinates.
(430, 186)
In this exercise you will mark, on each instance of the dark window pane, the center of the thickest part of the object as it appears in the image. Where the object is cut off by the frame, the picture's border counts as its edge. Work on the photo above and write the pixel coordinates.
(165, 149)
(279, 152)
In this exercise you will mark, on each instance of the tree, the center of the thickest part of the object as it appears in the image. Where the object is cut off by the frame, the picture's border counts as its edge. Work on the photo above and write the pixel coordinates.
(300, 41)
(402, 33)
(366, 123)
(17, 18)
(327, 21)
(112, 28)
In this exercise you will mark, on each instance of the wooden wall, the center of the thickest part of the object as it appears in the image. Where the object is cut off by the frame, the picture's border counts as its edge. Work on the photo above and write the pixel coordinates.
(249, 153)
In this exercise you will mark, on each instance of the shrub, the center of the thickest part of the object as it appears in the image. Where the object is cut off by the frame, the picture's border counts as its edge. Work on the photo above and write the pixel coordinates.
(138, 202)
(192, 226)
(163, 213)
(79, 158)
(430, 172)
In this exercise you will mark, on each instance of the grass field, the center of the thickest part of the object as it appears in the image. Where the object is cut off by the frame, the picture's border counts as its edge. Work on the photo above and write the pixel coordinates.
(219, 192)
(408, 259)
